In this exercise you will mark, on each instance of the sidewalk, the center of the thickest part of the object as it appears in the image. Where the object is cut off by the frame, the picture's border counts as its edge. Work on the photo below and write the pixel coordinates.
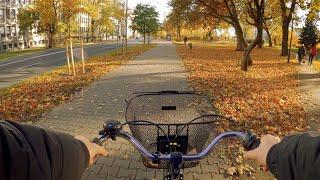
(309, 85)
(157, 69)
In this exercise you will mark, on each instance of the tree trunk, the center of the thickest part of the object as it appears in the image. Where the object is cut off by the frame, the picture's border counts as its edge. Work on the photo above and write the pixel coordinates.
(241, 42)
(144, 33)
(25, 38)
(269, 38)
(270, 41)
(285, 37)
(88, 32)
(286, 18)
(260, 43)
(247, 61)
(179, 33)
(50, 38)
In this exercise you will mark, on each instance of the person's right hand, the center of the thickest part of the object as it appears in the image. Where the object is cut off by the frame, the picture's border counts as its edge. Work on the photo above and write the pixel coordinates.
(260, 153)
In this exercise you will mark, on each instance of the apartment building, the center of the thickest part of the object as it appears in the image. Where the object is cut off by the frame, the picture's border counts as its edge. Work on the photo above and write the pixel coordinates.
(10, 39)
(83, 22)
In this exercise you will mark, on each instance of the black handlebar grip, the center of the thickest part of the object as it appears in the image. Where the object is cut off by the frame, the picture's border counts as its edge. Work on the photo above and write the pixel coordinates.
(96, 141)
(250, 142)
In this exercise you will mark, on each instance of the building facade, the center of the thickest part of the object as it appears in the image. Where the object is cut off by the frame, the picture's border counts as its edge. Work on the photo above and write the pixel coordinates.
(10, 38)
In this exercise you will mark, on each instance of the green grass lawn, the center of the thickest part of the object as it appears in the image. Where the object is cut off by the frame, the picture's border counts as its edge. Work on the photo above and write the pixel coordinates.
(8, 54)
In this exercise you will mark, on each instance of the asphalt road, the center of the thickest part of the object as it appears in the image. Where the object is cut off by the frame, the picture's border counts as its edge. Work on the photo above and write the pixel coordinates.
(15, 69)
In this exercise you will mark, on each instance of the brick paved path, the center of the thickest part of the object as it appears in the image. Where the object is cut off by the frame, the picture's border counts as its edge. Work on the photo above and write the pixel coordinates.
(309, 83)
(157, 69)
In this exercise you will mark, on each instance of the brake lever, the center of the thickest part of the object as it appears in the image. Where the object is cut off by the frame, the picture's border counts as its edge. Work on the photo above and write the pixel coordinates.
(250, 142)
(98, 141)
(110, 129)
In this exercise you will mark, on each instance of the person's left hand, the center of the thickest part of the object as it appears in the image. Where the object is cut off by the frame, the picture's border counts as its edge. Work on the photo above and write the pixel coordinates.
(94, 149)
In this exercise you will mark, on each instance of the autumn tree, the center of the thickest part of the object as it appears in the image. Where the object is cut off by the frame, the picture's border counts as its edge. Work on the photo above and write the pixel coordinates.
(313, 8)
(272, 20)
(48, 12)
(104, 23)
(26, 19)
(92, 9)
(229, 12)
(146, 20)
(185, 14)
(176, 21)
(69, 9)
(255, 9)
(287, 9)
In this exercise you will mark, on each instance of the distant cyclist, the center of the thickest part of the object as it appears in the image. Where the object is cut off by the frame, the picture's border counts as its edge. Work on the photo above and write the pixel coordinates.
(185, 40)
(313, 54)
(301, 53)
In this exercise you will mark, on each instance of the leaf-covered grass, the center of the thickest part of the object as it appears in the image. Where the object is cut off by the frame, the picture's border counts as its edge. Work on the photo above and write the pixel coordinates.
(264, 99)
(316, 65)
(9, 54)
(28, 100)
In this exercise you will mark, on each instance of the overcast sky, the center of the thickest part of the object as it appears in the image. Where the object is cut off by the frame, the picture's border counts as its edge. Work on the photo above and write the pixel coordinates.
(160, 5)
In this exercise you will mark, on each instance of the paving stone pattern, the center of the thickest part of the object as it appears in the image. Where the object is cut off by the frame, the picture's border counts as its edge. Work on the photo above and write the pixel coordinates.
(309, 83)
(157, 69)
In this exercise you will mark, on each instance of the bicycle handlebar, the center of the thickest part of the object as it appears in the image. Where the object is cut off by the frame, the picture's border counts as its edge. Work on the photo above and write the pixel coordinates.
(112, 129)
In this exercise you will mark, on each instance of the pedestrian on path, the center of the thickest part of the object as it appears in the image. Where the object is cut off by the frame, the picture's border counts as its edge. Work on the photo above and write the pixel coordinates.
(313, 53)
(301, 53)
(185, 40)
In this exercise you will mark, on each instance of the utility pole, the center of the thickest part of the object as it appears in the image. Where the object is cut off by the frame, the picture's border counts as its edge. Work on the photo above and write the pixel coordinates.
(123, 32)
(126, 26)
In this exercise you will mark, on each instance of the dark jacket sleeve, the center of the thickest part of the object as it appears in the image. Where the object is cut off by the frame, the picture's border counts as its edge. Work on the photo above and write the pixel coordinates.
(29, 152)
(296, 157)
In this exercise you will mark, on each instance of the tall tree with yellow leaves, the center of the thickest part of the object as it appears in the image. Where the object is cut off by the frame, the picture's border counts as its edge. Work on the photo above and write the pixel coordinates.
(48, 13)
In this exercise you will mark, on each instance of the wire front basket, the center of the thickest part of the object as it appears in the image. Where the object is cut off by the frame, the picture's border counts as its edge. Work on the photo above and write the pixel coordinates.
(180, 121)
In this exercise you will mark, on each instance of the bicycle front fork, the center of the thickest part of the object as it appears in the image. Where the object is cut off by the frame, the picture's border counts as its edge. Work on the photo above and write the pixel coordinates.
(169, 176)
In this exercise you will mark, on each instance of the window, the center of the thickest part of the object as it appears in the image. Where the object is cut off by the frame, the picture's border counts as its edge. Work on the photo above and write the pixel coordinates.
(8, 29)
(13, 13)
(15, 45)
(7, 13)
(35, 42)
(4, 47)
(1, 13)
(14, 29)
(10, 46)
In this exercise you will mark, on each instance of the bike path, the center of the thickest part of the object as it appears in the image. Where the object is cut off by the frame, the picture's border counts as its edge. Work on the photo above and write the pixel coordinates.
(309, 85)
(157, 69)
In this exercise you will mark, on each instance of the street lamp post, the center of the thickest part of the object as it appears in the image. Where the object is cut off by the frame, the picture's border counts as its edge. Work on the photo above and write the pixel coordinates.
(126, 24)
(289, 54)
